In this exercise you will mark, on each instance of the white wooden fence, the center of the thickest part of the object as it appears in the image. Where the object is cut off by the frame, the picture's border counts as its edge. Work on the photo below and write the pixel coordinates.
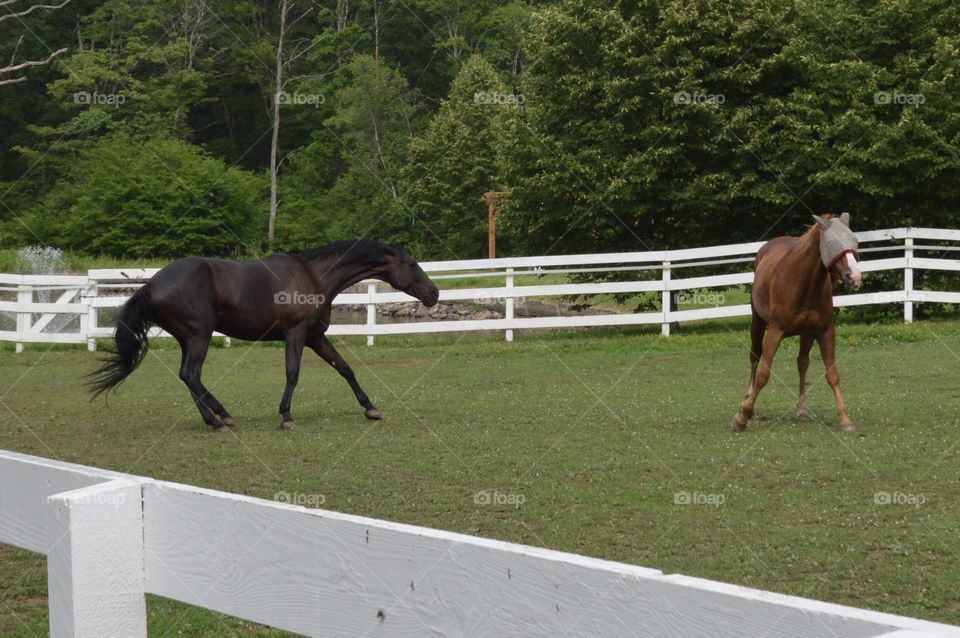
(900, 249)
(111, 538)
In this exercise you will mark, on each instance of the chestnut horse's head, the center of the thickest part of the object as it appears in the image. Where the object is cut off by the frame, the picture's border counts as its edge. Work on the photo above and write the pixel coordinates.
(838, 249)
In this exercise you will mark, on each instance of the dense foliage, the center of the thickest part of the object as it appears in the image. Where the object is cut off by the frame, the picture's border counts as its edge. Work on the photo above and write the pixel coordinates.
(614, 125)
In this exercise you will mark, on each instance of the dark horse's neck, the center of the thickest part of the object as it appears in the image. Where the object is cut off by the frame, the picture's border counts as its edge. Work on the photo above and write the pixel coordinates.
(334, 273)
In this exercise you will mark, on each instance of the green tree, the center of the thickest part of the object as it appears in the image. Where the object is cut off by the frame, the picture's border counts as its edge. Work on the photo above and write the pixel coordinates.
(454, 163)
(371, 127)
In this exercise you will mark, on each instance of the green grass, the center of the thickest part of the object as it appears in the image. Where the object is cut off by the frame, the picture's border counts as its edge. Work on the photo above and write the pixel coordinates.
(597, 430)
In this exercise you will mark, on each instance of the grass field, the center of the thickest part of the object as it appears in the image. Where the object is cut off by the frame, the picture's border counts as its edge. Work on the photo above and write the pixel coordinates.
(598, 433)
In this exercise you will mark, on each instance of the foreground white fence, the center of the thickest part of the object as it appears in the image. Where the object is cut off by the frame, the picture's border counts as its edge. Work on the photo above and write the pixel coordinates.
(111, 538)
(898, 249)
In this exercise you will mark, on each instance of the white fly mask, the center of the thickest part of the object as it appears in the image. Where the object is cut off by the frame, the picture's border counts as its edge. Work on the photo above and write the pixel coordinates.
(836, 239)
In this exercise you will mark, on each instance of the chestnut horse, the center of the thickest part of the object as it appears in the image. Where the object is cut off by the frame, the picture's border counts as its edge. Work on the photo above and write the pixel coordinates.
(793, 296)
(284, 297)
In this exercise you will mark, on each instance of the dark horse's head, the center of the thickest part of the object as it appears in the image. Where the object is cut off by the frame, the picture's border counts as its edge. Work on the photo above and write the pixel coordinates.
(838, 249)
(403, 273)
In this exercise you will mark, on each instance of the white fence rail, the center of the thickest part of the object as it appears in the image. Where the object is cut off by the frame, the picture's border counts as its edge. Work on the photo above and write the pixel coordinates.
(81, 298)
(111, 538)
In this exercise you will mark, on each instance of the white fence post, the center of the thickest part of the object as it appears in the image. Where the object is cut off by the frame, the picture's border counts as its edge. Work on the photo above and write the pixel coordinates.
(24, 318)
(908, 279)
(95, 562)
(665, 326)
(88, 323)
(371, 309)
(508, 303)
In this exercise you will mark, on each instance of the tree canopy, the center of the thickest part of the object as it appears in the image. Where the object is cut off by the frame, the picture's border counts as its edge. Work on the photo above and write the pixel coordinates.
(614, 125)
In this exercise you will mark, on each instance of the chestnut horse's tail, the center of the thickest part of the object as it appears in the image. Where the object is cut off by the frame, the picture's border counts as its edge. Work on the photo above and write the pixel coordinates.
(131, 344)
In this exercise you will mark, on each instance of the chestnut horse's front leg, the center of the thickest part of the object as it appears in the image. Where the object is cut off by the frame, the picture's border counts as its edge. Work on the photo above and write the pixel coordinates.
(771, 341)
(803, 363)
(827, 342)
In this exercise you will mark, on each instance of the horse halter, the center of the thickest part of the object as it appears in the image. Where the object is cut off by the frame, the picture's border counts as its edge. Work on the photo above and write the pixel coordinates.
(837, 240)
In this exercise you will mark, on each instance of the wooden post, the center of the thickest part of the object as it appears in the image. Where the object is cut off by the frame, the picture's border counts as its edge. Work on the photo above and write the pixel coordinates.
(493, 199)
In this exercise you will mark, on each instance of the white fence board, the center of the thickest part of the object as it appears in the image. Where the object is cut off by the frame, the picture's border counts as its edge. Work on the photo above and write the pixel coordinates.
(25, 483)
(663, 265)
(327, 574)
(323, 573)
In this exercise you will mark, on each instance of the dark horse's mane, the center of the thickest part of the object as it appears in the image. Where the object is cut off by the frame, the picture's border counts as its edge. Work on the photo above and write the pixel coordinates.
(353, 251)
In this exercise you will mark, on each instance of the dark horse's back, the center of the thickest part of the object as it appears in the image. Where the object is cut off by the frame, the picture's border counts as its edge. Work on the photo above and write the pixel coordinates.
(242, 299)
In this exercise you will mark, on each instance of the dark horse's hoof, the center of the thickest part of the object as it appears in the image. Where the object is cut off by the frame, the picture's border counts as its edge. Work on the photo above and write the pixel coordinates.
(221, 429)
(373, 414)
(229, 422)
(288, 425)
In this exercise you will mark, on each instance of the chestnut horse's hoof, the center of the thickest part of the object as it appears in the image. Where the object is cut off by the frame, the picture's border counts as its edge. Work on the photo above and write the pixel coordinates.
(803, 416)
(288, 425)
(847, 426)
(737, 425)
(373, 414)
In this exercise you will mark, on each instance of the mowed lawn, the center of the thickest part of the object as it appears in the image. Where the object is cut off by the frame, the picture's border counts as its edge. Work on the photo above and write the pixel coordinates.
(585, 441)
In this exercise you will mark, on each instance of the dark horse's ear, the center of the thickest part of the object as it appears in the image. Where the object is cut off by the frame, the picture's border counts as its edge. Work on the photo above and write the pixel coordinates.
(821, 222)
(845, 218)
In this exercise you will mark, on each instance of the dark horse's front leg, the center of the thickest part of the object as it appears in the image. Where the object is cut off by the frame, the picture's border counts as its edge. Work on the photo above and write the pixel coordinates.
(294, 353)
(322, 346)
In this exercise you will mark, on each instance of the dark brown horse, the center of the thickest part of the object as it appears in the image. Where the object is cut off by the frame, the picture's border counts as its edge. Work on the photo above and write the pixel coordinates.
(284, 297)
(793, 296)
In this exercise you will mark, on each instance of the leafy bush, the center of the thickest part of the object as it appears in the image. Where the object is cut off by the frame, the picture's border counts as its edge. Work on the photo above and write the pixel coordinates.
(126, 198)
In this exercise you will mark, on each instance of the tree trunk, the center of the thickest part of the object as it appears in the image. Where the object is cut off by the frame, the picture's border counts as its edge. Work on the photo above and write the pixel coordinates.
(275, 142)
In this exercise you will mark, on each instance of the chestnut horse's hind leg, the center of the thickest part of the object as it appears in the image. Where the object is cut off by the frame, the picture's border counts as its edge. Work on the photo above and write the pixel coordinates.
(322, 346)
(757, 329)
(771, 341)
(803, 363)
(827, 342)
(193, 352)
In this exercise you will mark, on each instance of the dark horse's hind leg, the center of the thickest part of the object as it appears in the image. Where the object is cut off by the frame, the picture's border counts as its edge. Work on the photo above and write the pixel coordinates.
(322, 346)
(193, 353)
(294, 353)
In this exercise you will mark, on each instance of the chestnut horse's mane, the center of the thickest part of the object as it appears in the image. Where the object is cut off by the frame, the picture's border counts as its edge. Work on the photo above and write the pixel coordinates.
(813, 231)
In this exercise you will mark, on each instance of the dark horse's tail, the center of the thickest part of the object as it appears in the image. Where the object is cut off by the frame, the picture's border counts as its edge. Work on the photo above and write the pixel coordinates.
(131, 340)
